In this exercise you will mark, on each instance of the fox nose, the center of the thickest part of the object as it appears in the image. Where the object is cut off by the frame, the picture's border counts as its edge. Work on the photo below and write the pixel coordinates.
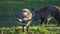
(35, 18)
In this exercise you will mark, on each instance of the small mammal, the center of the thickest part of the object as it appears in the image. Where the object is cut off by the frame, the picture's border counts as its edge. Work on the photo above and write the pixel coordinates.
(24, 19)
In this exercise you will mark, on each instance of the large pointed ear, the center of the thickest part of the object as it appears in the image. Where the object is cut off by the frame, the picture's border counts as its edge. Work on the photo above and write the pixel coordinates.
(32, 9)
(33, 12)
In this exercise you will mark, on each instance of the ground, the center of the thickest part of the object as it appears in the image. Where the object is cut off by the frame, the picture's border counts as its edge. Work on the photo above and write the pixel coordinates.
(44, 29)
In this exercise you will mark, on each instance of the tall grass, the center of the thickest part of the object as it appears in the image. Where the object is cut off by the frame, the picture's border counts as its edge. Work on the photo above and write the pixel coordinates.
(33, 30)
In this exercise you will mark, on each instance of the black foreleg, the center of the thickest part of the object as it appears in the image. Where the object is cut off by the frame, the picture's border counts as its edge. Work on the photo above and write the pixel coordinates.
(23, 28)
(42, 20)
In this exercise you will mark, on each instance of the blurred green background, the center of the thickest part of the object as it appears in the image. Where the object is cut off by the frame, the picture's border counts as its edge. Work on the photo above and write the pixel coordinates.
(9, 9)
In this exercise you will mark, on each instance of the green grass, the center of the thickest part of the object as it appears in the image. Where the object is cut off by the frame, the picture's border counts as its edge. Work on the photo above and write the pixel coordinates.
(44, 29)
